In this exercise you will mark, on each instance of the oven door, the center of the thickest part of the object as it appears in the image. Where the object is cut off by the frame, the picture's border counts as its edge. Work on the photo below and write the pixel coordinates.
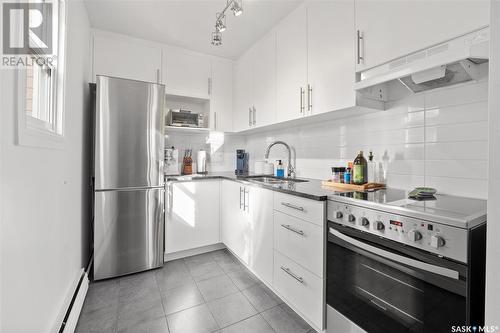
(382, 289)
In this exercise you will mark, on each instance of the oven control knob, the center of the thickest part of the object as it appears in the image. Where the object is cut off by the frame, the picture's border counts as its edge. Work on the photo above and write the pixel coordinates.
(339, 214)
(365, 222)
(351, 218)
(379, 225)
(414, 235)
(437, 241)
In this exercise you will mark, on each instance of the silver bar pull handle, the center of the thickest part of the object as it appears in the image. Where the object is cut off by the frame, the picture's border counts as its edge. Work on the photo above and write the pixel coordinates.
(209, 86)
(289, 272)
(246, 202)
(309, 98)
(241, 202)
(249, 116)
(359, 38)
(302, 107)
(396, 257)
(289, 205)
(292, 229)
(254, 116)
(215, 120)
(157, 76)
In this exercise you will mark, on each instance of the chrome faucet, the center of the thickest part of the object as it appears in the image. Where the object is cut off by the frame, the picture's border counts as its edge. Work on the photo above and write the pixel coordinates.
(290, 168)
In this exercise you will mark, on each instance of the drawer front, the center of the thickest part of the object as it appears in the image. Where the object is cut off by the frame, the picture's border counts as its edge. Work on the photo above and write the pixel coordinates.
(301, 241)
(301, 288)
(306, 209)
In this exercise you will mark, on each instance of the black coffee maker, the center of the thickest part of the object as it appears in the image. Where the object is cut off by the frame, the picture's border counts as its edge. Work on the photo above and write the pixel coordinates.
(241, 162)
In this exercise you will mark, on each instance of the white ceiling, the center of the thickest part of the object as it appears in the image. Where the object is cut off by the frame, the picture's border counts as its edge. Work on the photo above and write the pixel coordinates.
(189, 23)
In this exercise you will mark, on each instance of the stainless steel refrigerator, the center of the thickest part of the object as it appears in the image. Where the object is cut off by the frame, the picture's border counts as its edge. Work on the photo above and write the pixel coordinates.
(128, 171)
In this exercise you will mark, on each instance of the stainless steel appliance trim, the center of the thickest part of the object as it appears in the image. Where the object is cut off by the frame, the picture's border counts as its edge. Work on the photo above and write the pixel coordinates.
(395, 257)
(289, 205)
(289, 227)
(389, 304)
(295, 276)
(121, 189)
(392, 278)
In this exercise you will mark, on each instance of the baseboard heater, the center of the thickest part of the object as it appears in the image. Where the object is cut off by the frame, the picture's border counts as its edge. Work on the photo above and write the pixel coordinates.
(75, 307)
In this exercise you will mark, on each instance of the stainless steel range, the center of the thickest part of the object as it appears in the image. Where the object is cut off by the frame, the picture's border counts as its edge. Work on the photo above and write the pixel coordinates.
(401, 265)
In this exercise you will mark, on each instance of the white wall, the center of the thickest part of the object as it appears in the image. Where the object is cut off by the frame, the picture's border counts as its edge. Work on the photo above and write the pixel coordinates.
(438, 138)
(44, 217)
(493, 246)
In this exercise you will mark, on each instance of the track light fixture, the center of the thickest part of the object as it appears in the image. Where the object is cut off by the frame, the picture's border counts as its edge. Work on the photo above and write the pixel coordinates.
(236, 7)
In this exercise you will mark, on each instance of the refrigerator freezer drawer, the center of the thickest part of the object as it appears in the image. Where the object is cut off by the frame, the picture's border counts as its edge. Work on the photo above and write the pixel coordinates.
(128, 231)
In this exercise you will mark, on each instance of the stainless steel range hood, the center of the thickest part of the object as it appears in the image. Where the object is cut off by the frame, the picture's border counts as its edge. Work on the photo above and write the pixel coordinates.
(456, 61)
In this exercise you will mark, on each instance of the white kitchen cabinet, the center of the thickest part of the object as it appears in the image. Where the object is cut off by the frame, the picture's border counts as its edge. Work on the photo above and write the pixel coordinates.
(291, 65)
(391, 29)
(127, 58)
(243, 92)
(221, 95)
(260, 209)
(192, 216)
(264, 80)
(331, 50)
(186, 73)
(235, 222)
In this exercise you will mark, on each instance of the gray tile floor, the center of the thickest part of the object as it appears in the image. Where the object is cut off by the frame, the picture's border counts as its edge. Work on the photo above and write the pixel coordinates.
(210, 292)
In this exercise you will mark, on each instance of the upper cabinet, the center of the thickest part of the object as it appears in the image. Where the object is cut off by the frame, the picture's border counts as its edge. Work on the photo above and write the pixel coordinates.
(390, 29)
(255, 85)
(221, 95)
(126, 58)
(186, 73)
(330, 57)
(291, 65)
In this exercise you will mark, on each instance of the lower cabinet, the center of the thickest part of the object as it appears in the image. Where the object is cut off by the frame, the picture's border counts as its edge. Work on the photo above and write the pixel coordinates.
(192, 215)
(247, 226)
(301, 288)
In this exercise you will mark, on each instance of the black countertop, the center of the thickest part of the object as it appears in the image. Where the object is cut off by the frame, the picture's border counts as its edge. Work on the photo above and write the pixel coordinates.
(310, 189)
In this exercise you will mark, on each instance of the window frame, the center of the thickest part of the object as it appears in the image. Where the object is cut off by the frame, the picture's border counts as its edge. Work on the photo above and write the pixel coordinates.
(30, 130)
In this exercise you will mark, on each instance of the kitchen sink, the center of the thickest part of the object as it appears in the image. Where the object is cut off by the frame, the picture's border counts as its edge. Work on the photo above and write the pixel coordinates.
(274, 180)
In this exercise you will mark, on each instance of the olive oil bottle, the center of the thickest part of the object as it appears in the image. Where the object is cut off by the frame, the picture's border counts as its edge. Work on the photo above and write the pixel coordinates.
(360, 170)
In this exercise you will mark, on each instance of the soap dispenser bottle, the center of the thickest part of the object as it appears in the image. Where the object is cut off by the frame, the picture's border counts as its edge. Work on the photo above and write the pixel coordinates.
(280, 170)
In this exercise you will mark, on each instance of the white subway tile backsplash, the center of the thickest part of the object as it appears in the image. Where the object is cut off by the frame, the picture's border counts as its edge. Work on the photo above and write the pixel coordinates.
(437, 139)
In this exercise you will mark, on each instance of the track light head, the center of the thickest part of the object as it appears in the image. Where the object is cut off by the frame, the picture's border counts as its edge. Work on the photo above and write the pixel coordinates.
(237, 8)
(216, 38)
(220, 25)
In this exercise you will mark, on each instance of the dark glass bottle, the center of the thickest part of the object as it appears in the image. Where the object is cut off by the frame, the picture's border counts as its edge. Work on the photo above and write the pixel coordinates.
(360, 170)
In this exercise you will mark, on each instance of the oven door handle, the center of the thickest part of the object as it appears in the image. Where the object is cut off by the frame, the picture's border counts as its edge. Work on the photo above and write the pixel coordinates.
(396, 257)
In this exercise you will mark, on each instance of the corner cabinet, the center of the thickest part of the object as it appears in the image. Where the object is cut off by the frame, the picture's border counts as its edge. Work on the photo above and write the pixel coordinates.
(192, 215)
(247, 226)
(119, 56)
(391, 29)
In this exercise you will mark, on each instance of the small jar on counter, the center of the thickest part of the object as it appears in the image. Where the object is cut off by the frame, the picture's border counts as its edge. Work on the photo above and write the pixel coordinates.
(338, 174)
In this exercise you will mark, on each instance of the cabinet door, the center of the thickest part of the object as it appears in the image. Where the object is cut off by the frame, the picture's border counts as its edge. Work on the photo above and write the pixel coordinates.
(291, 65)
(235, 224)
(221, 97)
(243, 93)
(331, 52)
(264, 80)
(392, 29)
(120, 57)
(260, 206)
(192, 215)
(186, 73)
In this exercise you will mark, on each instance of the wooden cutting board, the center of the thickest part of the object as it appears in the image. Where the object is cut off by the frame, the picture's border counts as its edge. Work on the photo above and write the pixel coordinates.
(352, 187)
